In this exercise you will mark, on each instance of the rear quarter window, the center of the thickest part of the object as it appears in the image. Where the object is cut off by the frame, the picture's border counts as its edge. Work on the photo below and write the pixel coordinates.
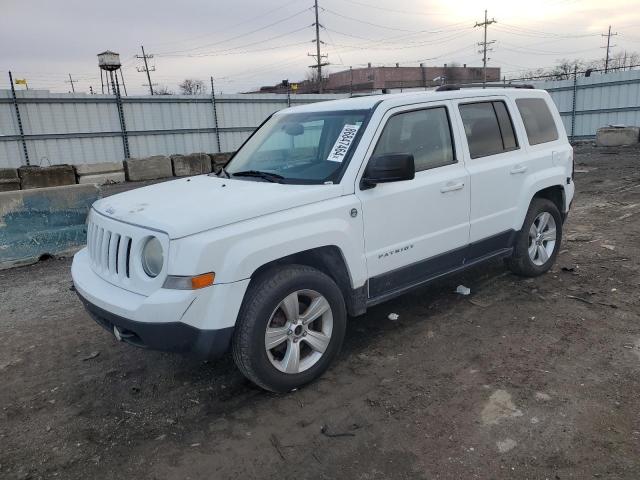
(488, 128)
(537, 119)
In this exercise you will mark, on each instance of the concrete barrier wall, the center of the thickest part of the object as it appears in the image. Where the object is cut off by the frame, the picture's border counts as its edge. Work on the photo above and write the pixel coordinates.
(44, 221)
(9, 179)
(617, 136)
(43, 177)
(100, 173)
(135, 169)
(189, 165)
(150, 168)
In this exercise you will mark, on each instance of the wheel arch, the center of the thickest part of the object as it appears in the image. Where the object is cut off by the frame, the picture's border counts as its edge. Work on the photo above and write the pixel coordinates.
(329, 260)
(548, 187)
(554, 193)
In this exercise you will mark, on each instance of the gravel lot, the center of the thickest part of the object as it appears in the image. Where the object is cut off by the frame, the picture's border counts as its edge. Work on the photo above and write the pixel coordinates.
(522, 379)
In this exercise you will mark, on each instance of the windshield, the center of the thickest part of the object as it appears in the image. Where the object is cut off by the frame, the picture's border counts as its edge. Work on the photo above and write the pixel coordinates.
(311, 147)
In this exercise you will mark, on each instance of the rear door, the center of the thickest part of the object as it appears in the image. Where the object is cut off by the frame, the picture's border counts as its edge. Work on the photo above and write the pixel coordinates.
(414, 229)
(547, 143)
(497, 168)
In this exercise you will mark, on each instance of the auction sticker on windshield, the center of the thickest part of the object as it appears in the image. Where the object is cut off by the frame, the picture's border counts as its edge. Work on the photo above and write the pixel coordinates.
(341, 147)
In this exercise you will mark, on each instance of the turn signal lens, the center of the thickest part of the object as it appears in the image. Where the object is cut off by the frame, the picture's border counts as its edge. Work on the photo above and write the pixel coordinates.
(196, 282)
(201, 281)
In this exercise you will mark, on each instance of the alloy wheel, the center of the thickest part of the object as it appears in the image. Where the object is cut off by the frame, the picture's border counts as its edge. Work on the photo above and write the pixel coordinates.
(542, 238)
(299, 331)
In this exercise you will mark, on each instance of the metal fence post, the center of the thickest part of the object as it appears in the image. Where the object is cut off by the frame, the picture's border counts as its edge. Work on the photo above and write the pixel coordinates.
(123, 126)
(215, 116)
(573, 107)
(15, 105)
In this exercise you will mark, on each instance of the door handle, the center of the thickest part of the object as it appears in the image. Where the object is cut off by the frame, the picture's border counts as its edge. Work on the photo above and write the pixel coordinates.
(518, 169)
(450, 187)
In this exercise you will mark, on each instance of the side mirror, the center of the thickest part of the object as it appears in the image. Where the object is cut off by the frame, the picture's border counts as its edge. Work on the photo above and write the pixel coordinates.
(394, 167)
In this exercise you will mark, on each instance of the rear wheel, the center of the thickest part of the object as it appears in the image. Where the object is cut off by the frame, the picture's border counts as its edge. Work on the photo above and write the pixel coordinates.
(290, 327)
(539, 240)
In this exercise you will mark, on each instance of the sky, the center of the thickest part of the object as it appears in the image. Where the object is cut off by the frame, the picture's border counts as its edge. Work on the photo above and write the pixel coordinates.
(244, 44)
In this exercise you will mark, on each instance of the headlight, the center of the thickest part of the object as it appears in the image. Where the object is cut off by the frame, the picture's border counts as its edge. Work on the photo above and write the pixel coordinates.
(152, 257)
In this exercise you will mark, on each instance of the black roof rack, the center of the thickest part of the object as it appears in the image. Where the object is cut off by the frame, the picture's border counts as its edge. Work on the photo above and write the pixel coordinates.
(453, 86)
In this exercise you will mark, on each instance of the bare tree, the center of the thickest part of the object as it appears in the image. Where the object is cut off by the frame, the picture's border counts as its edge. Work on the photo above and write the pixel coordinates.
(191, 86)
(534, 73)
(163, 90)
(564, 68)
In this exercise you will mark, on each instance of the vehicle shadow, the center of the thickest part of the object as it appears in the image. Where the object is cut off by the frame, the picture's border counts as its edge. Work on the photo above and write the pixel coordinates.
(137, 395)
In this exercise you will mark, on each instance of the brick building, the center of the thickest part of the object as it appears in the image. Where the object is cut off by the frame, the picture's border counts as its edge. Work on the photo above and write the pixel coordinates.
(369, 79)
(377, 78)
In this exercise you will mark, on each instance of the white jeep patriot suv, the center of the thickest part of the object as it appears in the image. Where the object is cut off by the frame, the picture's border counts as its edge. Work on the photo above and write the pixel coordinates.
(325, 210)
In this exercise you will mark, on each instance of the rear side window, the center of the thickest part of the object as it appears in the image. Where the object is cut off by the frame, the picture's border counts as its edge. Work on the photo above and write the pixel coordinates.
(426, 134)
(537, 119)
(488, 128)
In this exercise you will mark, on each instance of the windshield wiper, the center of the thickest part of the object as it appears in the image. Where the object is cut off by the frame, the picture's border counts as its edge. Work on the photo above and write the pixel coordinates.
(270, 177)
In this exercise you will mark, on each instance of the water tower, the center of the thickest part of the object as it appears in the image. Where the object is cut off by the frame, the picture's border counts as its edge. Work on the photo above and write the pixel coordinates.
(109, 61)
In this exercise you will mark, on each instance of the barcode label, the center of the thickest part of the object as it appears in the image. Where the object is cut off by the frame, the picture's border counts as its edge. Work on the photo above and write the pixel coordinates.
(341, 147)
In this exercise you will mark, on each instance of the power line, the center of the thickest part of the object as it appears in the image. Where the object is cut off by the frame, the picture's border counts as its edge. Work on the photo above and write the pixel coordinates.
(391, 10)
(245, 34)
(244, 22)
(389, 40)
(484, 44)
(224, 53)
(231, 49)
(365, 22)
(524, 31)
(380, 45)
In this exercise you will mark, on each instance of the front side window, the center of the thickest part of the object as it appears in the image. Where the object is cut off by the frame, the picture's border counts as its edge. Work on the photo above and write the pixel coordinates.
(537, 119)
(309, 147)
(488, 128)
(426, 134)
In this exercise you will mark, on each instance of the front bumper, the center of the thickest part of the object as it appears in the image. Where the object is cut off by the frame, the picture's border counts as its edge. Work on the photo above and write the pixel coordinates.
(167, 336)
(200, 321)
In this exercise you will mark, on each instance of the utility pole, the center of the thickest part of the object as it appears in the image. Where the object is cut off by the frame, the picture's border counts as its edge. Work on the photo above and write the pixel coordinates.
(608, 47)
(484, 44)
(146, 68)
(215, 115)
(319, 63)
(351, 82)
(71, 81)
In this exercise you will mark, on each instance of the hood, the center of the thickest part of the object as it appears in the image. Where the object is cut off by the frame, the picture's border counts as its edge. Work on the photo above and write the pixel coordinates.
(188, 206)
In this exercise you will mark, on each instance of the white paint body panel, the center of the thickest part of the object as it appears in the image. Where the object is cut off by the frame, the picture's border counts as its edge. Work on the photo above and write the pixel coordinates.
(233, 227)
(404, 221)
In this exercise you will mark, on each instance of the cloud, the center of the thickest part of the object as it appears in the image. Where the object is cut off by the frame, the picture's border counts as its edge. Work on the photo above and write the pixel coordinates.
(248, 43)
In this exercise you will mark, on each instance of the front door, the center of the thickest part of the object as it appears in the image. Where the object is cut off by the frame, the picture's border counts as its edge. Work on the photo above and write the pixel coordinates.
(417, 228)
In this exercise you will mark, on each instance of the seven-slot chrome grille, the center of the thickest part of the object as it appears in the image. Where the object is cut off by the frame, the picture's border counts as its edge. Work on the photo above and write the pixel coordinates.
(114, 248)
(110, 252)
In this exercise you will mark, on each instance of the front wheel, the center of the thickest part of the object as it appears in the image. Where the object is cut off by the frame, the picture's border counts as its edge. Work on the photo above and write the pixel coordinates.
(290, 327)
(538, 242)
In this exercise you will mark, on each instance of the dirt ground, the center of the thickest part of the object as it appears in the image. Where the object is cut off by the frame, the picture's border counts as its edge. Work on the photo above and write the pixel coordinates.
(527, 379)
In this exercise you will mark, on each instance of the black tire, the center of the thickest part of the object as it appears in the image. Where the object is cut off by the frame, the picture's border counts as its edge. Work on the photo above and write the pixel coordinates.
(262, 298)
(520, 262)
